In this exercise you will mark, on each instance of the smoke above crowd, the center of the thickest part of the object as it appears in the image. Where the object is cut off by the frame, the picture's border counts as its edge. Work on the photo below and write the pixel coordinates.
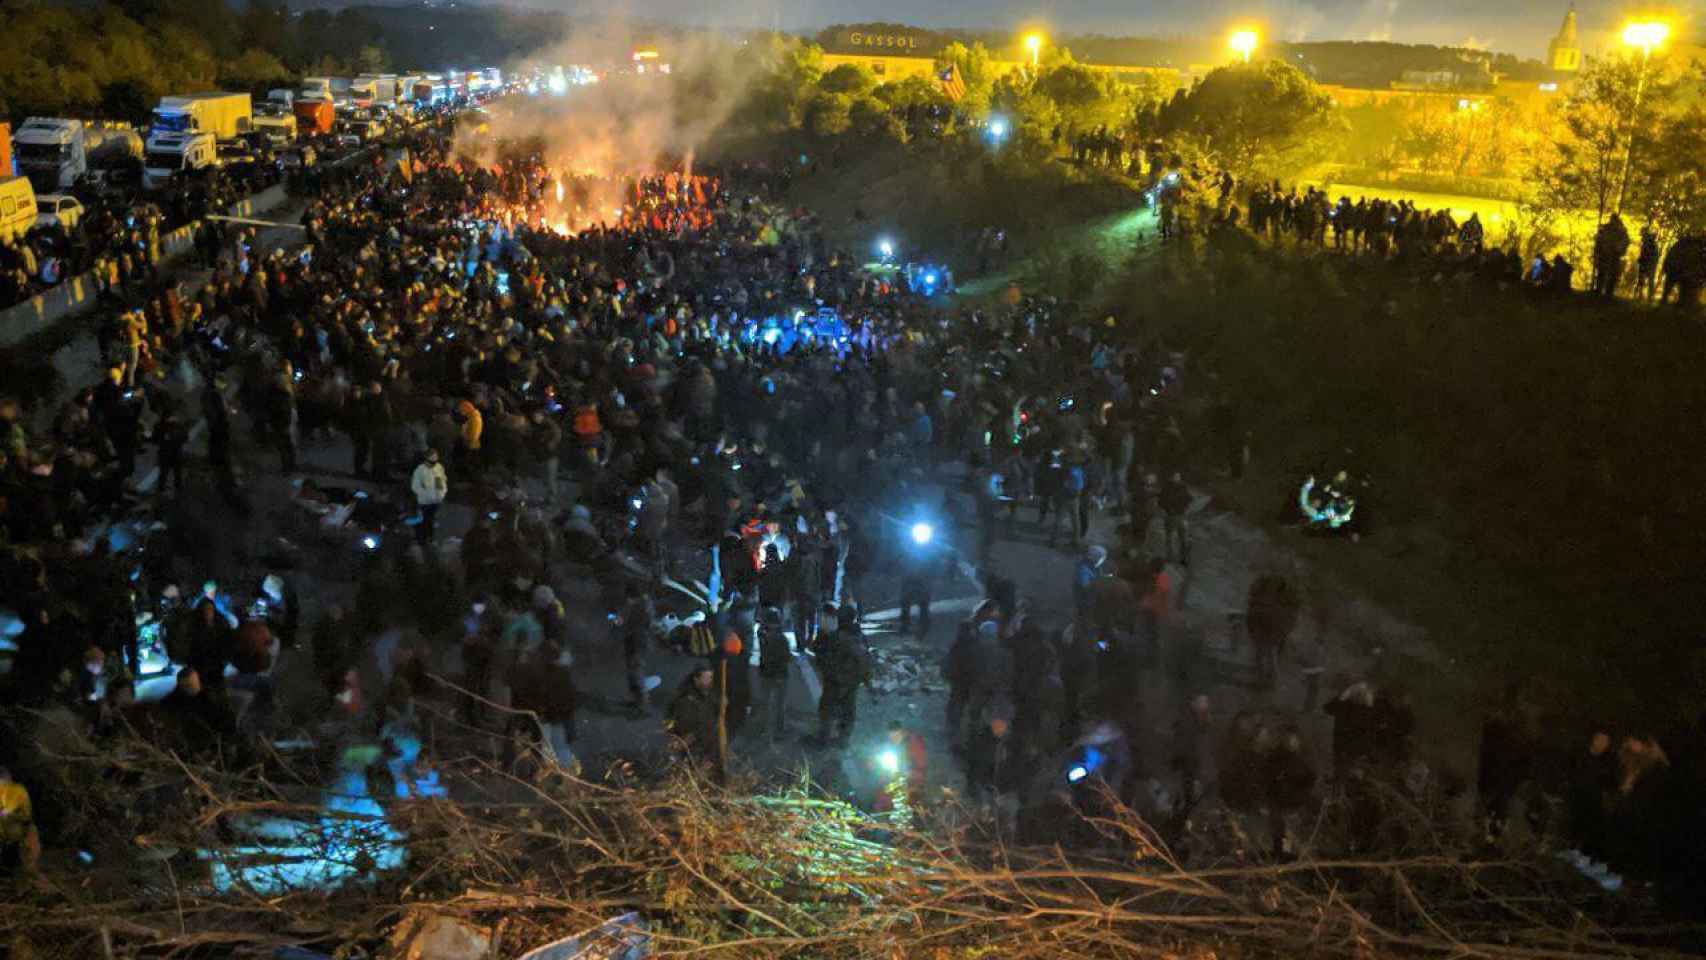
(632, 121)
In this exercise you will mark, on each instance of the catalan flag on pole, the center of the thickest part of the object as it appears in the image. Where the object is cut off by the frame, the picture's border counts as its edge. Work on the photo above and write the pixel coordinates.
(952, 83)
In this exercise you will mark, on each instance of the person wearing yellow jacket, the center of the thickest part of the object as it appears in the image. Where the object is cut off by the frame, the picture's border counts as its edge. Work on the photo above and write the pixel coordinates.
(473, 425)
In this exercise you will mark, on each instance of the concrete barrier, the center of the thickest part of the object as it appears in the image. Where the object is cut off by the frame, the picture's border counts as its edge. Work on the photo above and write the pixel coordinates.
(78, 293)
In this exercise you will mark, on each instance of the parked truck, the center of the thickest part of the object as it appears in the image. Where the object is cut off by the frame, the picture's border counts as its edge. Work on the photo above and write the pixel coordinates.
(282, 95)
(56, 153)
(225, 115)
(314, 117)
(169, 154)
(275, 121)
(384, 86)
(5, 149)
(315, 88)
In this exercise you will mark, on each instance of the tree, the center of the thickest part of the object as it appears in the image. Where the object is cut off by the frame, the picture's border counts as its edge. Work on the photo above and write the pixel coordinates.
(977, 72)
(871, 118)
(828, 114)
(254, 70)
(852, 79)
(127, 100)
(1251, 118)
(1675, 184)
(1585, 168)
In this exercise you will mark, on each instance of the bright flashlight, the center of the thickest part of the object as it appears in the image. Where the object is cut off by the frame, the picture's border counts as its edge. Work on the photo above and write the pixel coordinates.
(885, 247)
(1076, 774)
(998, 128)
(370, 541)
(922, 533)
(889, 761)
(772, 335)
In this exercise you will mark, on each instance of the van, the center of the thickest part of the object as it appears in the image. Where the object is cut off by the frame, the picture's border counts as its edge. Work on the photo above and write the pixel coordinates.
(17, 208)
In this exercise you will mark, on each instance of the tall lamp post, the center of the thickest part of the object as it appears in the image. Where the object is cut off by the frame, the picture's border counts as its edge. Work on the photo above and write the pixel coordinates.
(1643, 35)
(1244, 43)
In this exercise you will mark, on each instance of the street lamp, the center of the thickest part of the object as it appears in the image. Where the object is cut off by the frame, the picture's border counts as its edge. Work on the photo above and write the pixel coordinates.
(1642, 35)
(1244, 42)
(1034, 43)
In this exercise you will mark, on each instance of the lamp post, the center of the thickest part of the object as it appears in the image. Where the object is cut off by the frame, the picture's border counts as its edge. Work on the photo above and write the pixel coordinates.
(1034, 43)
(1643, 35)
(1244, 43)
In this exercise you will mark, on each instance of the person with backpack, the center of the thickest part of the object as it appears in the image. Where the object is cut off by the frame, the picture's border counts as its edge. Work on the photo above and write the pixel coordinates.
(845, 663)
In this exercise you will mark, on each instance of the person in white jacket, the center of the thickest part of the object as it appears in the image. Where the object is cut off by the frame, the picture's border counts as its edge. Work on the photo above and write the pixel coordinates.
(430, 486)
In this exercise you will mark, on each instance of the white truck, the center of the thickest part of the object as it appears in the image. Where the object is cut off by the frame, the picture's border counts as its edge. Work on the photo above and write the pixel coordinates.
(56, 153)
(384, 86)
(315, 88)
(225, 115)
(172, 153)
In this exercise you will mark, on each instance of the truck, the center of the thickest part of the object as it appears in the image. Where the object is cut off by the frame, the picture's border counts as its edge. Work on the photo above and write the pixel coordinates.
(425, 90)
(225, 115)
(315, 88)
(275, 121)
(172, 153)
(17, 208)
(384, 85)
(281, 95)
(314, 117)
(362, 93)
(5, 149)
(56, 153)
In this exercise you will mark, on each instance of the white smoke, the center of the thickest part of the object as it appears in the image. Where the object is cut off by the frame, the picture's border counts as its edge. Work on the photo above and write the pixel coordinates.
(628, 122)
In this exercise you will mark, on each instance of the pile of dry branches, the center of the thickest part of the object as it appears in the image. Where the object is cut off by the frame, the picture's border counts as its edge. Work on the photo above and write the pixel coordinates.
(727, 872)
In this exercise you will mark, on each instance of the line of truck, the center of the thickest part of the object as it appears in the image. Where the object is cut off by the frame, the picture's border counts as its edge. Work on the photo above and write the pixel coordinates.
(48, 155)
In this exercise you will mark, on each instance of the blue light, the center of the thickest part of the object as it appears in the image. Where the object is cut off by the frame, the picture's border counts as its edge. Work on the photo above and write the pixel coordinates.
(772, 335)
(922, 533)
(885, 247)
(998, 128)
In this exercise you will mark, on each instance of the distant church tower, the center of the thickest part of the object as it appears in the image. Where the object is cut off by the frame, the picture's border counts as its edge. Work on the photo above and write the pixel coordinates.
(1564, 54)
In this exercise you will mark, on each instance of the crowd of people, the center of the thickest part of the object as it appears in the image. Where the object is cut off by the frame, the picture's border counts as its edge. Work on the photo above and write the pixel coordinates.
(116, 240)
(1189, 199)
(721, 429)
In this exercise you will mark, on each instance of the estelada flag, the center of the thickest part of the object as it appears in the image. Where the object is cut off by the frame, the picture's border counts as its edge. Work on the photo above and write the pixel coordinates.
(952, 83)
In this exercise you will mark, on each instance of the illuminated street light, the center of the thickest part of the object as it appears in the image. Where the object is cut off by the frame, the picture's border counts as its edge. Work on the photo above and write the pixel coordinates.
(1642, 35)
(1244, 43)
(1034, 43)
(1645, 35)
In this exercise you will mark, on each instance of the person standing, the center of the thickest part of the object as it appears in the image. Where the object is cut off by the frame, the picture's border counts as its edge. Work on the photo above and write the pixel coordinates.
(1647, 265)
(1175, 502)
(775, 658)
(20, 845)
(170, 436)
(692, 715)
(557, 702)
(430, 485)
(845, 664)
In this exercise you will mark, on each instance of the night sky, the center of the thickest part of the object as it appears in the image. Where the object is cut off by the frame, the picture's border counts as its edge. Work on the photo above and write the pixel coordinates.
(1516, 26)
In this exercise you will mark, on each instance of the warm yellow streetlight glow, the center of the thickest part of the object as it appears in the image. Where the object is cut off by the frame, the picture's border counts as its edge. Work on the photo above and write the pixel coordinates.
(1645, 35)
(1243, 42)
(1034, 43)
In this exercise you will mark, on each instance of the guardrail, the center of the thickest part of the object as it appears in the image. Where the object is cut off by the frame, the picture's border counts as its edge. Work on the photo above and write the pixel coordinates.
(75, 294)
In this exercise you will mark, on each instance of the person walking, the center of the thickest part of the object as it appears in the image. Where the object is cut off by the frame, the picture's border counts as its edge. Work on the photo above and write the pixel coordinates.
(430, 485)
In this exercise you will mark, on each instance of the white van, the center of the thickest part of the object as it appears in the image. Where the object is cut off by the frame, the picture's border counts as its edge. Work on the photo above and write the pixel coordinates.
(17, 208)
